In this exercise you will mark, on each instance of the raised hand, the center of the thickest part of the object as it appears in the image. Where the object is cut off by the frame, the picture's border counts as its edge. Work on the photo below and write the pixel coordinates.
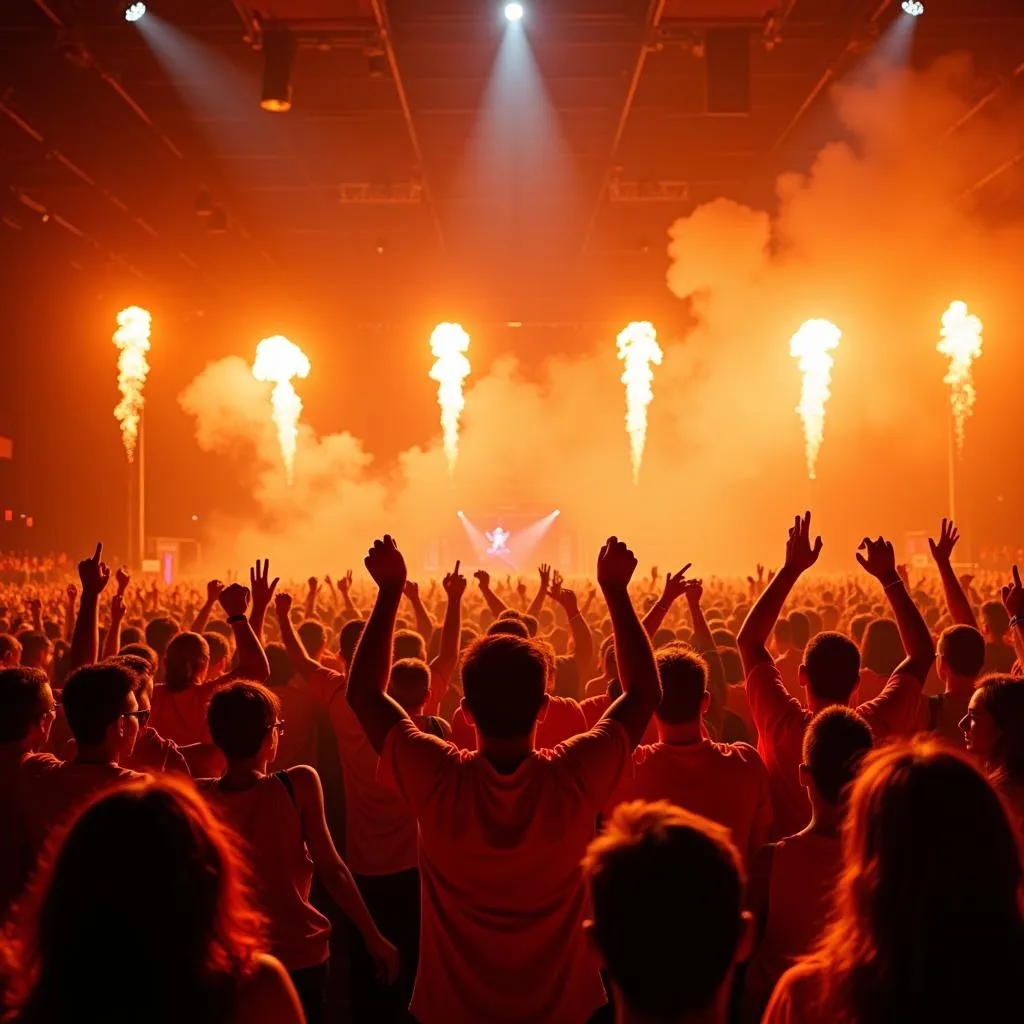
(314, 584)
(94, 574)
(123, 578)
(879, 559)
(345, 582)
(800, 554)
(567, 599)
(455, 584)
(385, 564)
(213, 589)
(117, 608)
(521, 588)
(675, 584)
(615, 564)
(35, 606)
(694, 590)
(72, 593)
(483, 579)
(411, 590)
(283, 605)
(544, 571)
(262, 590)
(942, 549)
(1013, 596)
(234, 599)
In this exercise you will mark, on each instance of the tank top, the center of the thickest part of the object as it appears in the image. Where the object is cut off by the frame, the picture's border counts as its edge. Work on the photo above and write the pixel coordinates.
(266, 817)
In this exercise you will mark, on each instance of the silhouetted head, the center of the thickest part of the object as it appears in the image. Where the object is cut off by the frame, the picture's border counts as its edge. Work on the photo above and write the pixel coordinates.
(409, 684)
(504, 682)
(348, 638)
(10, 651)
(995, 620)
(245, 720)
(27, 708)
(830, 668)
(882, 648)
(684, 685)
(36, 649)
(799, 630)
(960, 652)
(220, 652)
(186, 661)
(142, 651)
(313, 634)
(994, 725)
(101, 708)
(159, 633)
(408, 644)
(280, 666)
(509, 627)
(834, 747)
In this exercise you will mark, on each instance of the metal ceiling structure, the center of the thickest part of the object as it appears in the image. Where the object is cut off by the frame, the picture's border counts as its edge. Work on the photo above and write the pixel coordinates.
(104, 148)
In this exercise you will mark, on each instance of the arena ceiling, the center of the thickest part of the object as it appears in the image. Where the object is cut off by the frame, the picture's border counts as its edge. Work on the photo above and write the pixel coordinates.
(366, 185)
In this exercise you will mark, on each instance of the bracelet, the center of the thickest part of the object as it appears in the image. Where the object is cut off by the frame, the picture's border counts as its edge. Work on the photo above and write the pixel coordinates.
(236, 618)
(894, 583)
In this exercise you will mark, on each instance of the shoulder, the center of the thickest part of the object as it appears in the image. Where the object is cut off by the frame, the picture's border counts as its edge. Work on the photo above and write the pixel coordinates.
(741, 752)
(39, 764)
(798, 996)
(305, 782)
(267, 995)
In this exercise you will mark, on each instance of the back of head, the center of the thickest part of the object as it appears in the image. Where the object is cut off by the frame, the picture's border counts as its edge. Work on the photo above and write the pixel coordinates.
(348, 638)
(159, 633)
(662, 638)
(996, 619)
(832, 662)
(1003, 698)
(142, 651)
(927, 921)
(882, 647)
(195, 926)
(36, 648)
(667, 892)
(409, 684)
(10, 649)
(814, 623)
(221, 628)
(313, 634)
(280, 666)
(240, 716)
(185, 660)
(834, 747)
(504, 680)
(732, 666)
(94, 698)
(24, 698)
(219, 648)
(799, 629)
(858, 624)
(829, 617)
(724, 638)
(141, 669)
(509, 627)
(133, 635)
(408, 644)
(783, 632)
(963, 650)
(684, 681)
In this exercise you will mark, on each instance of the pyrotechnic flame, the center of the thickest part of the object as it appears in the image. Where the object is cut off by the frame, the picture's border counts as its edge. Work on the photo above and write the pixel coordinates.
(449, 344)
(638, 349)
(132, 338)
(811, 345)
(278, 360)
(961, 342)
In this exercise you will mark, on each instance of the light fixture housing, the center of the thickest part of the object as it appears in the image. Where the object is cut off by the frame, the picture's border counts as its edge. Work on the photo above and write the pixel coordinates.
(913, 7)
(279, 49)
(133, 12)
(514, 12)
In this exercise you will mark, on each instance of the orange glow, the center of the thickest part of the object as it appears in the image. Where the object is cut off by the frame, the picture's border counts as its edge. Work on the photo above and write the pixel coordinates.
(449, 344)
(638, 349)
(961, 342)
(811, 345)
(132, 339)
(278, 360)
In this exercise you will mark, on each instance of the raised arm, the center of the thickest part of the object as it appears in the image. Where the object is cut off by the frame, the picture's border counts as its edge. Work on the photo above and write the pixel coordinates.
(69, 611)
(956, 600)
(1013, 601)
(252, 659)
(424, 625)
(545, 586)
(344, 590)
(36, 608)
(582, 640)
(112, 639)
(262, 594)
(495, 603)
(298, 656)
(638, 672)
(311, 595)
(879, 560)
(442, 667)
(371, 664)
(94, 575)
(202, 619)
(753, 636)
(675, 585)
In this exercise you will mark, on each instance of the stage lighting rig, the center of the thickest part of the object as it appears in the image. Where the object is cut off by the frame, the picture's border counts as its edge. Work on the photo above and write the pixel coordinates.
(913, 7)
(514, 12)
(133, 12)
(279, 49)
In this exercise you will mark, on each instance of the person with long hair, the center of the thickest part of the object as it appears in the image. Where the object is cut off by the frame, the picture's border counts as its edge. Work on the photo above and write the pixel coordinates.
(927, 922)
(143, 912)
(994, 732)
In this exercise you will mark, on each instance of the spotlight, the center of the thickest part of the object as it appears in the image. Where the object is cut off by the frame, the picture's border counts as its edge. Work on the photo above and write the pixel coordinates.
(134, 11)
(913, 7)
(557, 512)
(514, 12)
(459, 513)
(279, 48)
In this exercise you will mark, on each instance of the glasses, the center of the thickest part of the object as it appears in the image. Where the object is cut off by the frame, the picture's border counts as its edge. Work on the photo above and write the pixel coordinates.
(279, 727)
(142, 716)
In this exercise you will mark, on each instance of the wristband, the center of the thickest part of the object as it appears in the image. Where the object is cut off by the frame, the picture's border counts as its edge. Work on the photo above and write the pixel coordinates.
(232, 619)
(895, 582)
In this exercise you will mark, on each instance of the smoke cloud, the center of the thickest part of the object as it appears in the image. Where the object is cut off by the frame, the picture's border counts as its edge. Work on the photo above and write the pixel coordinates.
(876, 237)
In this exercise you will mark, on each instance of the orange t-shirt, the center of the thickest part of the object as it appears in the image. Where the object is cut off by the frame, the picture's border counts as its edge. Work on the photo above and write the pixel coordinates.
(781, 721)
(725, 782)
(297, 744)
(594, 707)
(564, 718)
(503, 900)
(180, 715)
(788, 665)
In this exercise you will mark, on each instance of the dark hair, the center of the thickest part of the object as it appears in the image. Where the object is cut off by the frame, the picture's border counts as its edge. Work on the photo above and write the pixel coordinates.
(783, 630)
(963, 649)
(832, 662)
(240, 716)
(684, 681)
(814, 623)
(996, 618)
(408, 644)
(313, 634)
(33, 644)
(799, 629)
(1003, 698)
(662, 638)
(882, 647)
(9, 645)
(723, 638)
(182, 659)
(858, 624)
(221, 628)
(667, 890)
(834, 746)
(504, 680)
(159, 633)
(141, 669)
(131, 635)
(532, 625)
(280, 665)
(409, 683)
(927, 922)
(219, 648)
(178, 951)
(24, 698)
(508, 627)
(142, 651)
(732, 666)
(348, 637)
(94, 698)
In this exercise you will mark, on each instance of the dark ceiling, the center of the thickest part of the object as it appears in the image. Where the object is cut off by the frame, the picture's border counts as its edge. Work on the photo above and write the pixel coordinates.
(379, 176)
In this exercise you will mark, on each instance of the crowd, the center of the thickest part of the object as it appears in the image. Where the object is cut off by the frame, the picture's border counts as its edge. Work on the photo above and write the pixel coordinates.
(790, 798)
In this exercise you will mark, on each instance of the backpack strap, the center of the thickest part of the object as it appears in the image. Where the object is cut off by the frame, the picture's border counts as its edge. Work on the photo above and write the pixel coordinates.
(285, 779)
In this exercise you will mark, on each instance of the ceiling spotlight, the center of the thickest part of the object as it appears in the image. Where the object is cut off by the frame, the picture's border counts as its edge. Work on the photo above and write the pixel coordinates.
(134, 11)
(557, 512)
(514, 12)
(279, 48)
(459, 513)
(913, 7)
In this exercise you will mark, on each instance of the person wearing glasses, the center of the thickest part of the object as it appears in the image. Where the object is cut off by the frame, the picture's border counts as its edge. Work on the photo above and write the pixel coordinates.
(281, 817)
(103, 714)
